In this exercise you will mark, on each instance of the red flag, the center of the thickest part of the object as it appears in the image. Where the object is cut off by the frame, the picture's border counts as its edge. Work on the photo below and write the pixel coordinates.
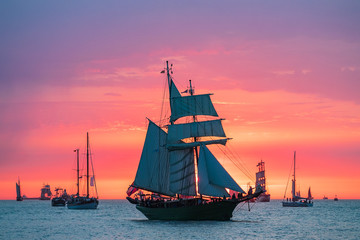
(131, 190)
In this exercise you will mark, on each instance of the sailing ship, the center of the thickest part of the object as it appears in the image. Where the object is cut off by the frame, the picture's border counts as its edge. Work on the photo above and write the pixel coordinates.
(84, 202)
(60, 197)
(45, 192)
(18, 191)
(184, 179)
(296, 200)
(261, 180)
(325, 198)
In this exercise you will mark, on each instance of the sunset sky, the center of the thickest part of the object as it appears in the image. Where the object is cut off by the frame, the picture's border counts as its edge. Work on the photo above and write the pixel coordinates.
(285, 76)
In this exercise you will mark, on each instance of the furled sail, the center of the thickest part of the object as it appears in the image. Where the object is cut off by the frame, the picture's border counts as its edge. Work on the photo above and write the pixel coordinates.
(213, 178)
(182, 172)
(177, 132)
(191, 106)
(179, 146)
(153, 169)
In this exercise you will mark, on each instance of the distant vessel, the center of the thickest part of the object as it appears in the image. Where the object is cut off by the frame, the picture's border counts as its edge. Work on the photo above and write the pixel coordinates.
(84, 202)
(18, 191)
(325, 198)
(261, 180)
(45, 192)
(336, 198)
(60, 197)
(185, 180)
(296, 200)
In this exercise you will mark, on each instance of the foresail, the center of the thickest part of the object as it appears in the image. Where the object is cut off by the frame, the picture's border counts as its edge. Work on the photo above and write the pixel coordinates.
(177, 132)
(211, 172)
(182, 172)
(204, 184)
(153, 170)
(191, 106)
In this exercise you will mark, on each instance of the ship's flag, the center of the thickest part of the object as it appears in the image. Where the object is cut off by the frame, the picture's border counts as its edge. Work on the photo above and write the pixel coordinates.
(92, 181)
(131, 190)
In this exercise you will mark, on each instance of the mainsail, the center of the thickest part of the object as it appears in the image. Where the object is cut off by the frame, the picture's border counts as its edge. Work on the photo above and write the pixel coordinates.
(153, 170)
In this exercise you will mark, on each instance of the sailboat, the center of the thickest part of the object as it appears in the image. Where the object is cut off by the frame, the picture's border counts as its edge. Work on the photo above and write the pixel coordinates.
(18, 191)
(261, 180)
(296, 200)
(184, 180)
(84, 202)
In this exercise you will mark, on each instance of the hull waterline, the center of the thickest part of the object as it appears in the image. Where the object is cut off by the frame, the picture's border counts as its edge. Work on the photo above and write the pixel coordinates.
(92, 205)
(297, 204)
(221, 211)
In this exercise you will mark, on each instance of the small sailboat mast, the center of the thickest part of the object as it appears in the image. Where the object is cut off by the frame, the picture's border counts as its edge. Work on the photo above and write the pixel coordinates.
(297, 200)
(77, 172)
(84, 201)
(87, 164)
(294, 179)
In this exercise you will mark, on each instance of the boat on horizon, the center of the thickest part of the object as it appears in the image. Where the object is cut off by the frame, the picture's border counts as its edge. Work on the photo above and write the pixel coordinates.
(325, 198)
(261, 180)
(181, 177)
(84, 202)
(60, 197)
(336, 198)
(45, 192)
(296, 200)
(18, 191)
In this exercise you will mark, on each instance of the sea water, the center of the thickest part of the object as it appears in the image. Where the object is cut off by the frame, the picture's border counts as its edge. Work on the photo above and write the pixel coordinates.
(118, 219)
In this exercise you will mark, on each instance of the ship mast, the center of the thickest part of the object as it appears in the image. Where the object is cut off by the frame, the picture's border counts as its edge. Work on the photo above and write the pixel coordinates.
(293, 183)
(191, 90)
(87, 164)
(77, 171)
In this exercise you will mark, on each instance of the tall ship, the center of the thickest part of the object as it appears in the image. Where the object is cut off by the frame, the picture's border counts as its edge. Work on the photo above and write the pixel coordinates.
(45, 192)
(182, 177)
(78, 201)
(18, 191)
(261, 180)
(296, 200)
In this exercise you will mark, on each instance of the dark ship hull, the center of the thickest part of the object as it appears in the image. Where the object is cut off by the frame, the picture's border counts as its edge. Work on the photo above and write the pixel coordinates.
(83, 203)
(195, 209)
(297, 204)
(58, 202)
(220, 211)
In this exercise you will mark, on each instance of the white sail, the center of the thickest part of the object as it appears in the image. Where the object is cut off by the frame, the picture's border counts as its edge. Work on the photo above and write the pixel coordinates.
(182, 172)
(213, 178)
(177, 132)
(179, 146)
(191, 106)
(153, 169)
